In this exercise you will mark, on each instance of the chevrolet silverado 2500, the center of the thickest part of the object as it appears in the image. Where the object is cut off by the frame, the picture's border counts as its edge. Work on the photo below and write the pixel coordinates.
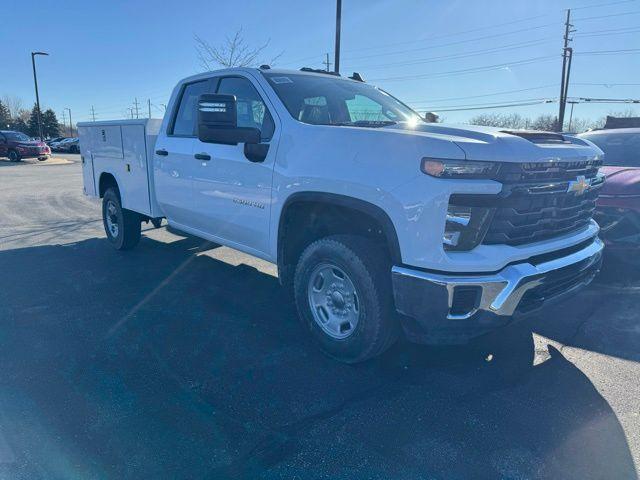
(378, 222)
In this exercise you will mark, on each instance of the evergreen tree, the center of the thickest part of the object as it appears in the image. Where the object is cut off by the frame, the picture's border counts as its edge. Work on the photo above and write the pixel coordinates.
(5, 116)
(19, 125)
(50, 125)
(32, 124)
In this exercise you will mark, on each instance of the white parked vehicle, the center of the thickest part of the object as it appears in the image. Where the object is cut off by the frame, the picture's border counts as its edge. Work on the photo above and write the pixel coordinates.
(375, 219)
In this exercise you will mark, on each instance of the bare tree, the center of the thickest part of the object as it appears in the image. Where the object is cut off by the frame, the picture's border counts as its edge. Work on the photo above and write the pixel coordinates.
(548, 123)
(512, 120)
(233, 52)
(14, 104)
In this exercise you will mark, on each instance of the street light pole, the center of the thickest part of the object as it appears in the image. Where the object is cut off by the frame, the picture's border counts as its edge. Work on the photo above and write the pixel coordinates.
(35, 81)
(70, 122)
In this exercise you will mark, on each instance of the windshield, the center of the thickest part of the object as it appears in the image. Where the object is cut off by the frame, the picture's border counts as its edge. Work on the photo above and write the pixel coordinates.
(17, 136)
(327, 100)
(620, 149)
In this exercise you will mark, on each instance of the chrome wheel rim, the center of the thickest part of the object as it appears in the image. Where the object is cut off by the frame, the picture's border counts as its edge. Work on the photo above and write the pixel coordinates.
(333, 300)
(112, 218)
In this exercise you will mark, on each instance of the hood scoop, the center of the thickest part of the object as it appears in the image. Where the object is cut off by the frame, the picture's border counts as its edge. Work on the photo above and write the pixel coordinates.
(541, 138)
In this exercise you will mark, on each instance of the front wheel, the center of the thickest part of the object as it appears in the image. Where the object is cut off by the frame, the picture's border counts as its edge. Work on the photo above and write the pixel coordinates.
(343, 294)
(122, 226)
(14, 156)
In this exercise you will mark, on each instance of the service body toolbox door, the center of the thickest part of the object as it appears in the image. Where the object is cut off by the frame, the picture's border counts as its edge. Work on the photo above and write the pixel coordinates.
(87, 161)
(136, 187)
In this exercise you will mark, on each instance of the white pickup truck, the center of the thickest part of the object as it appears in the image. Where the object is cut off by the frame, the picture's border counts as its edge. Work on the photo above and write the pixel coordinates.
(379, 222)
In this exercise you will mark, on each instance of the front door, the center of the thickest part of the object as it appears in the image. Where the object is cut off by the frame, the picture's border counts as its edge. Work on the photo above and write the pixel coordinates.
(173, 163)
(232, 194)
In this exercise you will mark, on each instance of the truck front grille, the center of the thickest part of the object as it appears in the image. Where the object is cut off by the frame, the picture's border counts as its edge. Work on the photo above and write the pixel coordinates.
(537, 203)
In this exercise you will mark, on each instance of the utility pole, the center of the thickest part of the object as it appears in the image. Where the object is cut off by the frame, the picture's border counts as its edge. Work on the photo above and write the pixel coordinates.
(135, 103)
(336, 62)
(149, 105)
(70, 122)
(567, 53)
(572, 102)
(35, 81)
(64, 119)
(327, 64)
(93, 113)
(130, 109)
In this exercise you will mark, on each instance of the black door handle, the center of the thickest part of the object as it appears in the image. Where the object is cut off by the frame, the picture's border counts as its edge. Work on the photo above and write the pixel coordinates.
(202, 156)
(162, 152)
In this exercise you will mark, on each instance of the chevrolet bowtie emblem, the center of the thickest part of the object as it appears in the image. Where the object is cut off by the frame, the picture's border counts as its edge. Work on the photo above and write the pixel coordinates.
(579, 185)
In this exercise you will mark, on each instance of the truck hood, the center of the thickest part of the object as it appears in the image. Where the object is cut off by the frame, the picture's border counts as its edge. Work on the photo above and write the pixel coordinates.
(621, 181)
(504, 145)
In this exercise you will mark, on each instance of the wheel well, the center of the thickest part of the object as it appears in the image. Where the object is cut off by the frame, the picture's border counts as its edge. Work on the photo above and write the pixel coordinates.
(106, 181)
(307, 219)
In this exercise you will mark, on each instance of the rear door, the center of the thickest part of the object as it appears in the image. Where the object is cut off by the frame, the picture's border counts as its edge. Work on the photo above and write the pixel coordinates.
(173, 157)
(232, 194)
(4, 151)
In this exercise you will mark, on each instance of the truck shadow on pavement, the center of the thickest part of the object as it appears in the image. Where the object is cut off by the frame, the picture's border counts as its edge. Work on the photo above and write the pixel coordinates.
(160, 363)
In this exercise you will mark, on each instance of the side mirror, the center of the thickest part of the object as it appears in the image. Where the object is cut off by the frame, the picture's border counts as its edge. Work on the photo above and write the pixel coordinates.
(218, 121)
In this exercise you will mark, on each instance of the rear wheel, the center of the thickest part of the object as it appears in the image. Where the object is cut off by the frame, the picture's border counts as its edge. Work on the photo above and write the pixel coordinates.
(14, 156)
(122, 226)
(343, 294)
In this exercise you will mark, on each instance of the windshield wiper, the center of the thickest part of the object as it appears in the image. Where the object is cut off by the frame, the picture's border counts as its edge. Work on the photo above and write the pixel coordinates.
(365, 123)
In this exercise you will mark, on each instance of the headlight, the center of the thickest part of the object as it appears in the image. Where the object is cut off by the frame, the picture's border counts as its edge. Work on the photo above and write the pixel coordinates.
(442, 168)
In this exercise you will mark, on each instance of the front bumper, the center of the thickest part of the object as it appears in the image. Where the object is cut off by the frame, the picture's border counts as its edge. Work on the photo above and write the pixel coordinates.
(453, 308)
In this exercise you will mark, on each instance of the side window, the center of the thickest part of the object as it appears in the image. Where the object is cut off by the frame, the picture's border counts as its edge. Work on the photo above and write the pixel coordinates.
(252, 111)
(365, 109)
(185, 122)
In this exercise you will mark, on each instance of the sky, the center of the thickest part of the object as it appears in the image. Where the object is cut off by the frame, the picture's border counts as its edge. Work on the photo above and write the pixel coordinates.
(437, 55)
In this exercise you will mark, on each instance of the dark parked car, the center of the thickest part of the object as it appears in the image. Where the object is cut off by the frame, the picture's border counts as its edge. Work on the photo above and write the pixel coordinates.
(54, 140)
(17, 145)
(70, 145)
(618, 207)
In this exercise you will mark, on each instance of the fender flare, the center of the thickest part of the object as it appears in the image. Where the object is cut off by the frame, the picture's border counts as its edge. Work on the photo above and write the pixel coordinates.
(345, 201)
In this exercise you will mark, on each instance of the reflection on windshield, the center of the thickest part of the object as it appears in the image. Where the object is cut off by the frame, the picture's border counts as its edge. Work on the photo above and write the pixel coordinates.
(327, 100)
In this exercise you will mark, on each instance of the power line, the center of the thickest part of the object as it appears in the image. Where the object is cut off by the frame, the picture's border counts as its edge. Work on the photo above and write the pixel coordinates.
(635, 12)
(491, 104)
(485, 95)
(461, 108)
(498, 66)
(459, 42)
(610, 52)
(487, 27)
(522, 104)
(609, 85)
(602, 4)
(512, 46)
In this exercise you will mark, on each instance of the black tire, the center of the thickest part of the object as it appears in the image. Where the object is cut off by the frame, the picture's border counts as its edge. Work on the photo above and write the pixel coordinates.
(369, 271)
(128, 223)
(14, 156)
(156, 222)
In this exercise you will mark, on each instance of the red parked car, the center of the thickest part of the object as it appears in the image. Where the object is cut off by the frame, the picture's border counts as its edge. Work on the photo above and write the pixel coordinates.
(618, 205)
(17, 145)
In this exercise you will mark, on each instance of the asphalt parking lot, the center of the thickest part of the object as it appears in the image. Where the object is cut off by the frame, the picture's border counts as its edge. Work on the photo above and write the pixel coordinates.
(181, 360)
